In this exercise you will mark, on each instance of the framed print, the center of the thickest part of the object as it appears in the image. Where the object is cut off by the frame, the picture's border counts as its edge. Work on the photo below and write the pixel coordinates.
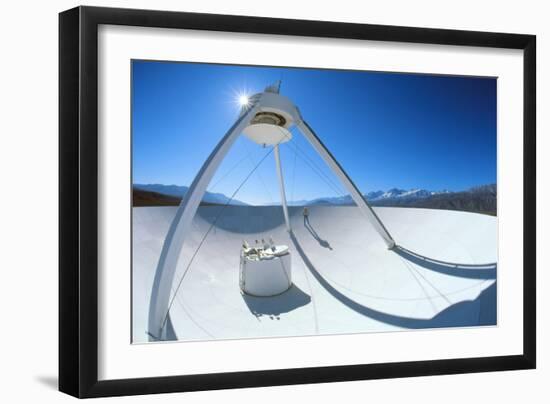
(251, 201)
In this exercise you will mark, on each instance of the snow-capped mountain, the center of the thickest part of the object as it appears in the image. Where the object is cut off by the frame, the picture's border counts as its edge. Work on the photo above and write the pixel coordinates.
(481, 199)
(374, 196)
(402, 194)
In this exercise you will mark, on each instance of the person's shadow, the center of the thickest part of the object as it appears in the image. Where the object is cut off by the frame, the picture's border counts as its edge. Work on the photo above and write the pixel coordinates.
(313, 232)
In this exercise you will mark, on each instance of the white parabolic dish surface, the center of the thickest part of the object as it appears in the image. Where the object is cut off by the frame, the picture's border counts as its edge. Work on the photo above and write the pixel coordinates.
(345, 280)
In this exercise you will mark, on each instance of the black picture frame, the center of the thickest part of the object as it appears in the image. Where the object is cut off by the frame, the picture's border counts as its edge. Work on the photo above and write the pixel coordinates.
(78, 201)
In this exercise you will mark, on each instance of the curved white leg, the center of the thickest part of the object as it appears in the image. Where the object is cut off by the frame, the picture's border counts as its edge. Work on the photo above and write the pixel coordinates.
(166, 268)
(359, 199)
(282, 186)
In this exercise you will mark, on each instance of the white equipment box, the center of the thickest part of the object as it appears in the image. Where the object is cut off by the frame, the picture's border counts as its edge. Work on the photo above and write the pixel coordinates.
(265, 271)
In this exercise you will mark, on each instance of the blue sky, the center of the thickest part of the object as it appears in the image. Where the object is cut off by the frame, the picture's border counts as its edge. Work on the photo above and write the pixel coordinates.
(387, 130)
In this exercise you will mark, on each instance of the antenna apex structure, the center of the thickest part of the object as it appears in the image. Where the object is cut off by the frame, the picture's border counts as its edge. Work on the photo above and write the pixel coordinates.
(275, 116)
(274, 88)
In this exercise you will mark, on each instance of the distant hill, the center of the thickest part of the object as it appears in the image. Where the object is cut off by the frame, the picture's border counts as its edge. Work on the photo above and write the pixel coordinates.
(178, 191)
(142, 198)
(148, 198)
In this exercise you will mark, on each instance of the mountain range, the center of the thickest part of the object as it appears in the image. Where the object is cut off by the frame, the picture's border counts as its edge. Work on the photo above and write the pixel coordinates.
(480, 199)
(374, 196)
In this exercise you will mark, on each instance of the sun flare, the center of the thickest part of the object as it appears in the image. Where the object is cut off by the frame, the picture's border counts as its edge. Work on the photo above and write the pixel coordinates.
(243, 100)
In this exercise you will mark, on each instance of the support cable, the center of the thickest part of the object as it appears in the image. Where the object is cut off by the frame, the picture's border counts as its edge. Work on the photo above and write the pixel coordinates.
(293, 174)
(306, 159)
(323, 178)
(321, 175)
(208, 232)
(223, 177)
(249, 155)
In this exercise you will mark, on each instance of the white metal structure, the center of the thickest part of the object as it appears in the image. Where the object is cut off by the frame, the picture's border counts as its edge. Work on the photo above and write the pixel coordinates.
(266, 120)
